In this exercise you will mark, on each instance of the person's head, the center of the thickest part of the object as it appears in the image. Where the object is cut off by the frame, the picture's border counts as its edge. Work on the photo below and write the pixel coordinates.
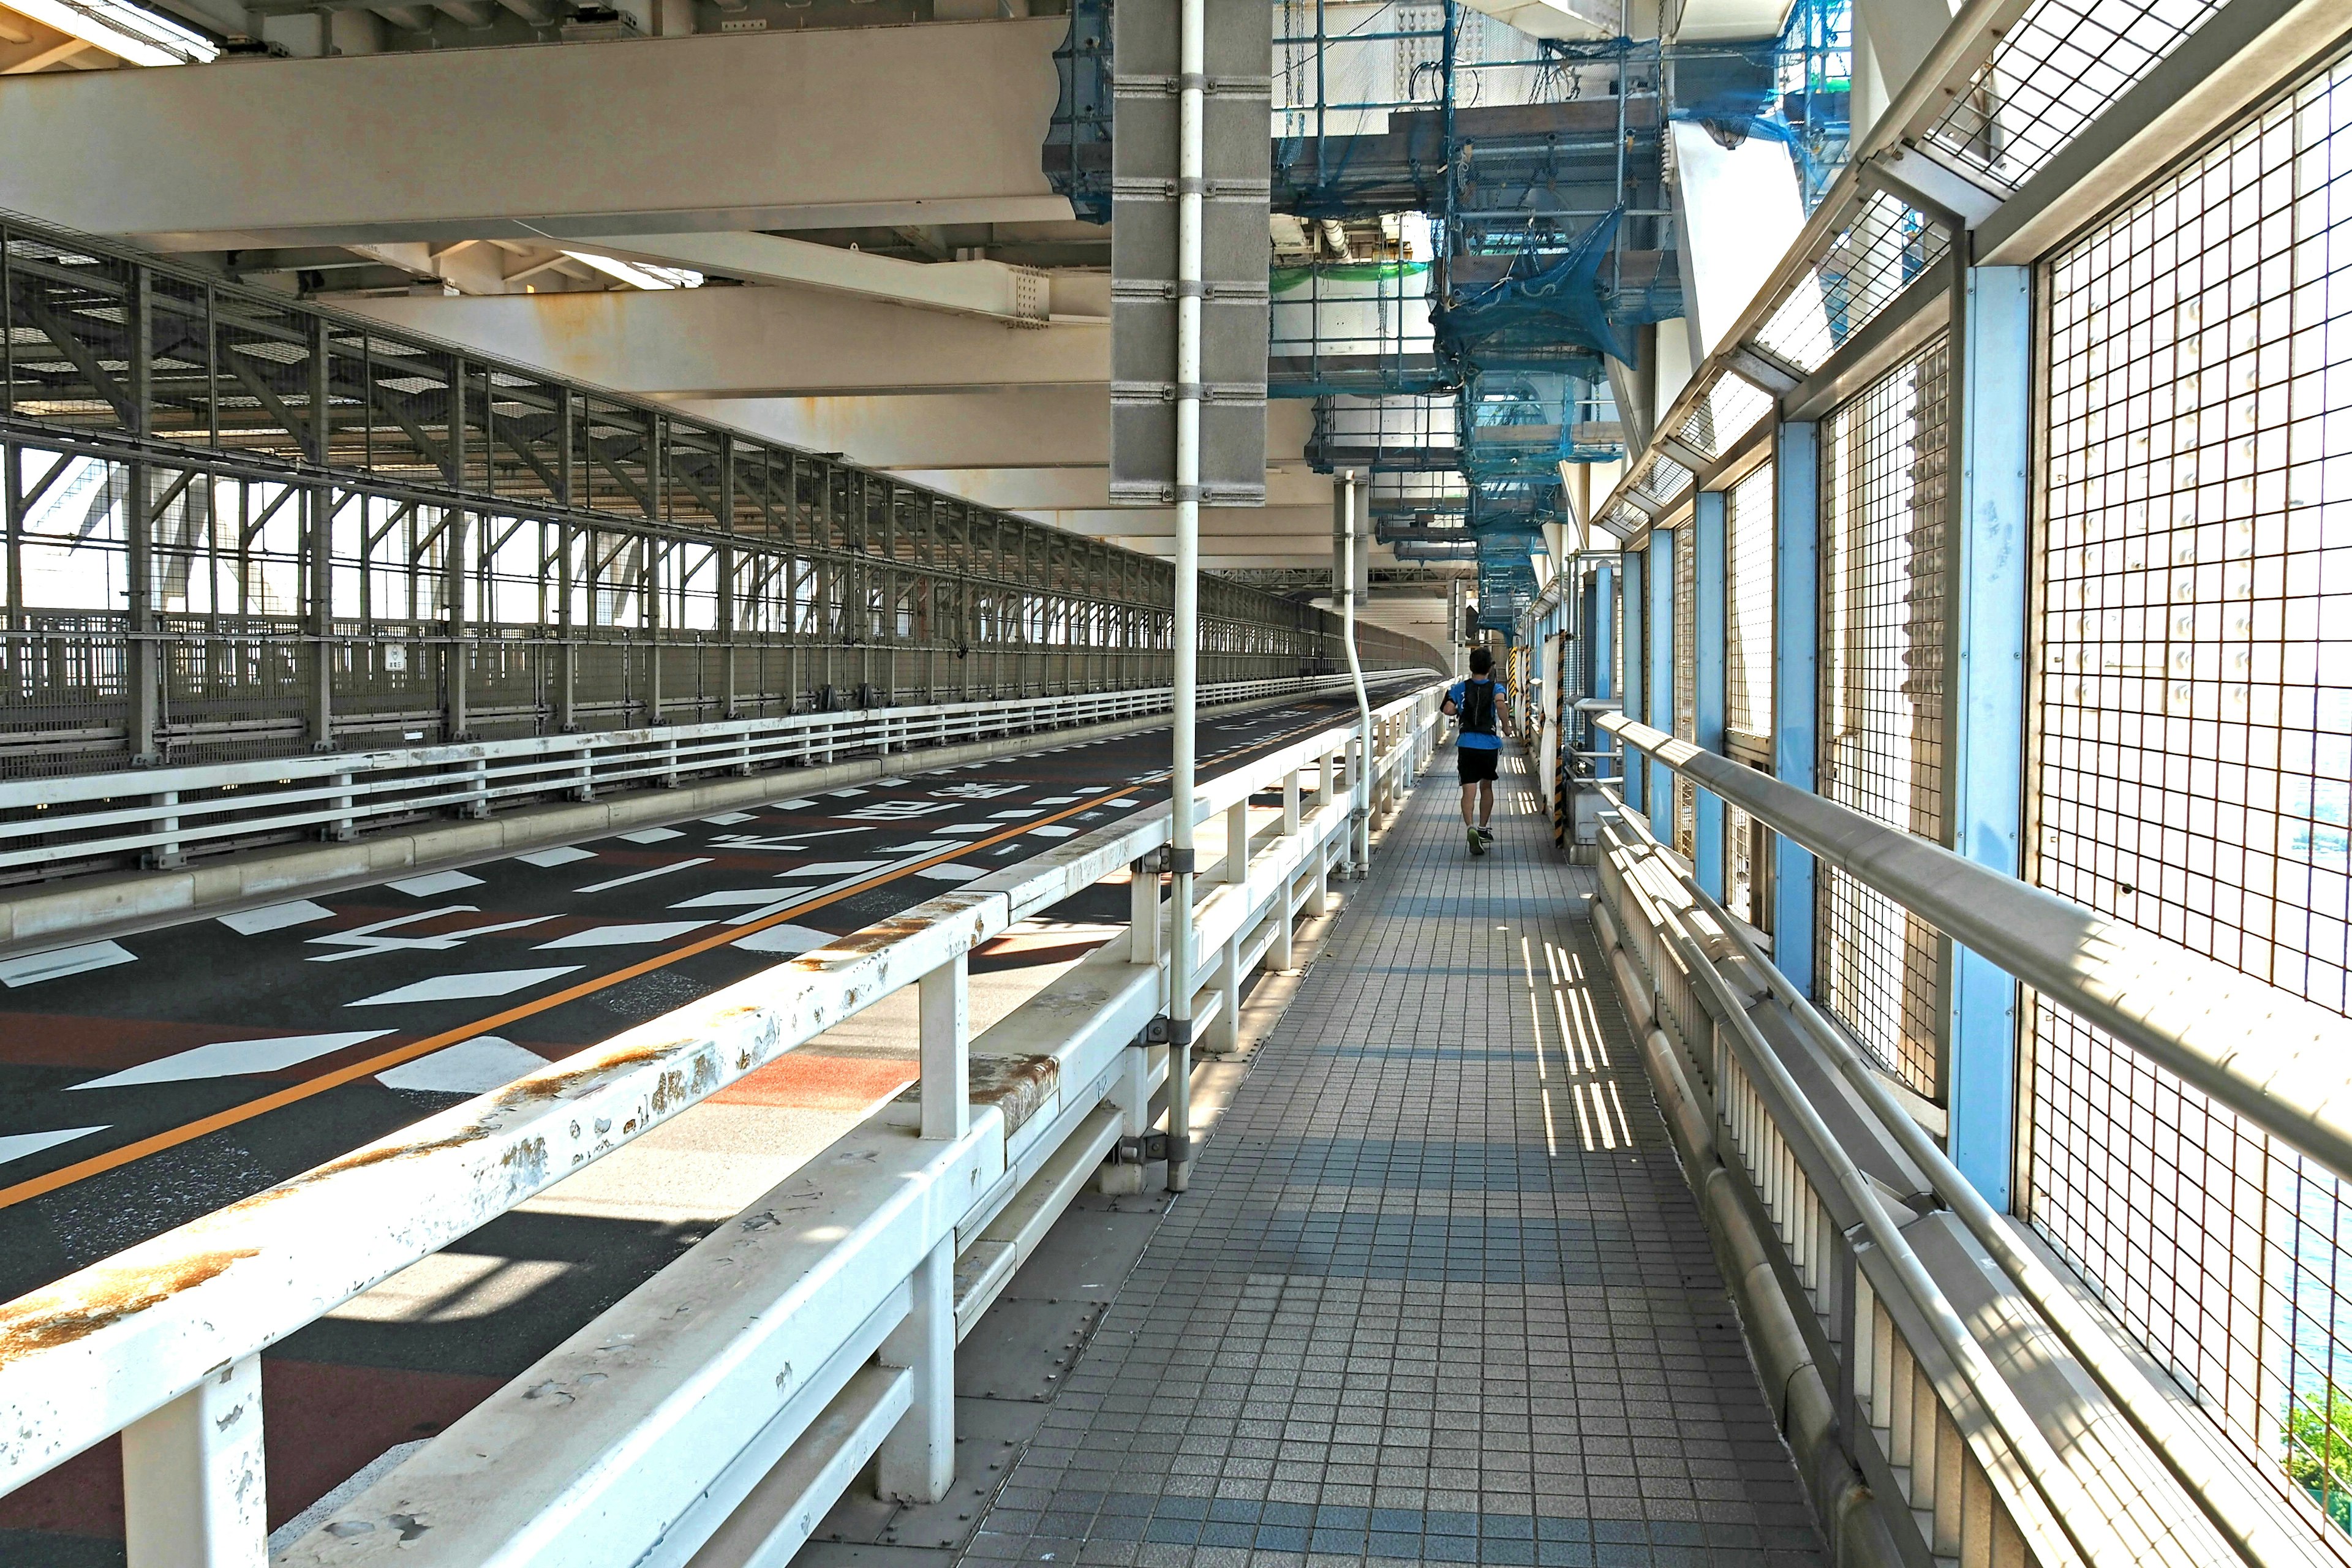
(1481, 662)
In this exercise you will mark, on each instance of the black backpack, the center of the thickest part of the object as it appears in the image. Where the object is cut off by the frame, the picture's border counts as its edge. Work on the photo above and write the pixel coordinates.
(1478, 708)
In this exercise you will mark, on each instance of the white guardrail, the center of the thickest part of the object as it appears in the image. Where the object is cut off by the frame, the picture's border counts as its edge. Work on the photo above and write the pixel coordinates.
(714, 1413)
(164, 815)
(1930, 1349)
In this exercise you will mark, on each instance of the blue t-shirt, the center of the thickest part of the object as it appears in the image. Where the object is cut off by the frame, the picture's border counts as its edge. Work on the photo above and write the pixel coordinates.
(1474, 740)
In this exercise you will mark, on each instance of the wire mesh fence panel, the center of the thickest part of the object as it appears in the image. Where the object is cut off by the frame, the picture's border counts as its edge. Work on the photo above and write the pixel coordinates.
(2192, 752)
(1686, 695)
(1882, 700)
(1885, 245)
(1748, 609)
(1748, 559)
(2054, 72)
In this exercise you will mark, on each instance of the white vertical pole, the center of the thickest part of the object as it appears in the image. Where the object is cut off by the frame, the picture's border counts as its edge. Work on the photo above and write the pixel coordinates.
(946, 1033)
(917, 1461)
(1193, 78)
(1361, 774)
(193, 1485)
(1238, 836)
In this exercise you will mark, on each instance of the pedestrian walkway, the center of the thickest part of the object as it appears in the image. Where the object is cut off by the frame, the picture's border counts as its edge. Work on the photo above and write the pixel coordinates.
(1438, 1291)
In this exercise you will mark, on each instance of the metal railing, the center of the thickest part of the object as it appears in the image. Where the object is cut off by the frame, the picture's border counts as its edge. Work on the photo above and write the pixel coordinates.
(161, 817)
(237, 524)
(834, 1341)
(2279, 1062)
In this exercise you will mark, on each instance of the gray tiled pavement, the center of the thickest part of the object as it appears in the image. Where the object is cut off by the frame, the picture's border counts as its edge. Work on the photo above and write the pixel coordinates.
(1415, 1308)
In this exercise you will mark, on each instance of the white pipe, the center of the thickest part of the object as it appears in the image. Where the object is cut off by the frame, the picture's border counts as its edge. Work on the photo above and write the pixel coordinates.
(1193, 57)
(2231, 1507)
(1360, 779)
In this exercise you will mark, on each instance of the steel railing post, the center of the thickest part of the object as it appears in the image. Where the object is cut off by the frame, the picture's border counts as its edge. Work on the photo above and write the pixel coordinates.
(1237, 837)
(166, 854)
(1143, 913)
(917, 1461)
(945, 1003)
(192, 1476)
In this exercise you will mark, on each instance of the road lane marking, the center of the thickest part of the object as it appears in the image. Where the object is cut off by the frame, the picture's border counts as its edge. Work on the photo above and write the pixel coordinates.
(114, 1159)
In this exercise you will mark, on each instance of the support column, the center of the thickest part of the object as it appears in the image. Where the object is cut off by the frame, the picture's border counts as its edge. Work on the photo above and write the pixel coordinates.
(568, 540)
(1290, 803)
(1707, 574)
(1636, 767)
(193, 1487)
(1658, 685)
(1796, 682)
(146, 662)
(1237, 836)
(454, 723)
(1986, 745)
(917, 1461)
(319, 550)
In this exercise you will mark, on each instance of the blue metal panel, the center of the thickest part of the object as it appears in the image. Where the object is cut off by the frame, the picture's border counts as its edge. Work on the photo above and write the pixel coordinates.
(1707, 567)
(1659, 679)
(1987, 747)
(1603, 663)
(1637, 607)
(1796, 683)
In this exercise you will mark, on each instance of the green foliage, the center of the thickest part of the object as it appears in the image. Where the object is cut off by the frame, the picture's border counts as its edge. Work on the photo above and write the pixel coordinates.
(2319, 1453)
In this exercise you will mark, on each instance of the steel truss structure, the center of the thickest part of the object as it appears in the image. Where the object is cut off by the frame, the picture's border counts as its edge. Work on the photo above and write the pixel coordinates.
(240, 526)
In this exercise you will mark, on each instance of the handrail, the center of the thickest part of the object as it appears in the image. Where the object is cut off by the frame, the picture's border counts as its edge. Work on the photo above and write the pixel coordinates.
(2282, 1063)
(127, 811)
(2059, 1490)
(2232, 1508)
(183, 1305)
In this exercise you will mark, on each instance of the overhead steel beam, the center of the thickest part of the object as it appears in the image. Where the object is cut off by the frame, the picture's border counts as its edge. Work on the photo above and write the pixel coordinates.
(1029, 427)
(837, 127)
(1023, 295)
(754, 341)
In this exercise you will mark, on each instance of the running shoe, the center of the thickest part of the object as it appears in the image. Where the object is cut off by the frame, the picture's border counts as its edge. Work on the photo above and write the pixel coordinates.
(1477, 845)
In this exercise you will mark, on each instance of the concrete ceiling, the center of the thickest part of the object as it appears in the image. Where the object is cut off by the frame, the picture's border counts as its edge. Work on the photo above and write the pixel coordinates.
(883, 269)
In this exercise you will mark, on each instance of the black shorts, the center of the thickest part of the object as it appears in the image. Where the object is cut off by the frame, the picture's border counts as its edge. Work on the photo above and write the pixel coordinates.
(1477, 763)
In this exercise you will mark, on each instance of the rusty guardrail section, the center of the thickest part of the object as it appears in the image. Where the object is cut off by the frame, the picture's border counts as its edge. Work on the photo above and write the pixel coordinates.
(815, 1344)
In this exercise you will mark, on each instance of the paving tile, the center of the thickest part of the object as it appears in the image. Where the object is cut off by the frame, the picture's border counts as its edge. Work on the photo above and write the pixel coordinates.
(1438, 1292)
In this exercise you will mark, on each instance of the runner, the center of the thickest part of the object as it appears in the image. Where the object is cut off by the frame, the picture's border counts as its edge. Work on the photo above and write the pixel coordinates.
(1481, 704)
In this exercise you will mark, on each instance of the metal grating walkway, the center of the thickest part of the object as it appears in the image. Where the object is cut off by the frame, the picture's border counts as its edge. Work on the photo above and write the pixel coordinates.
(1419, 1304)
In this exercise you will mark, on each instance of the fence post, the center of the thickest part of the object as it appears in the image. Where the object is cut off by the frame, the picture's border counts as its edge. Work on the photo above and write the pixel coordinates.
(346, 825)
(917, 1461)
(192, 1493)
(1985, 744)
(1237, 837)
(166, 854)
(1143, 912)
(1660, 688)
(1290, 803)
(1707, 523)
(946, 1037)
(1796, 696)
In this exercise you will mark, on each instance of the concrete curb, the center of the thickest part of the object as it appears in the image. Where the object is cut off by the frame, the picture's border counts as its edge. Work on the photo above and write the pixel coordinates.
(1857, 1531)
(121, 903)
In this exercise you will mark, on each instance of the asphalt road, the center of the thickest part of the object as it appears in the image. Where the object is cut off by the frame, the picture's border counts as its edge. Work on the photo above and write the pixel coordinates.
(148, 1079)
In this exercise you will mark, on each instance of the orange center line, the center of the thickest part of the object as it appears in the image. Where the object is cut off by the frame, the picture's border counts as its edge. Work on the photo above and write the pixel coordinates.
(114, 1159)
(384, 1061)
